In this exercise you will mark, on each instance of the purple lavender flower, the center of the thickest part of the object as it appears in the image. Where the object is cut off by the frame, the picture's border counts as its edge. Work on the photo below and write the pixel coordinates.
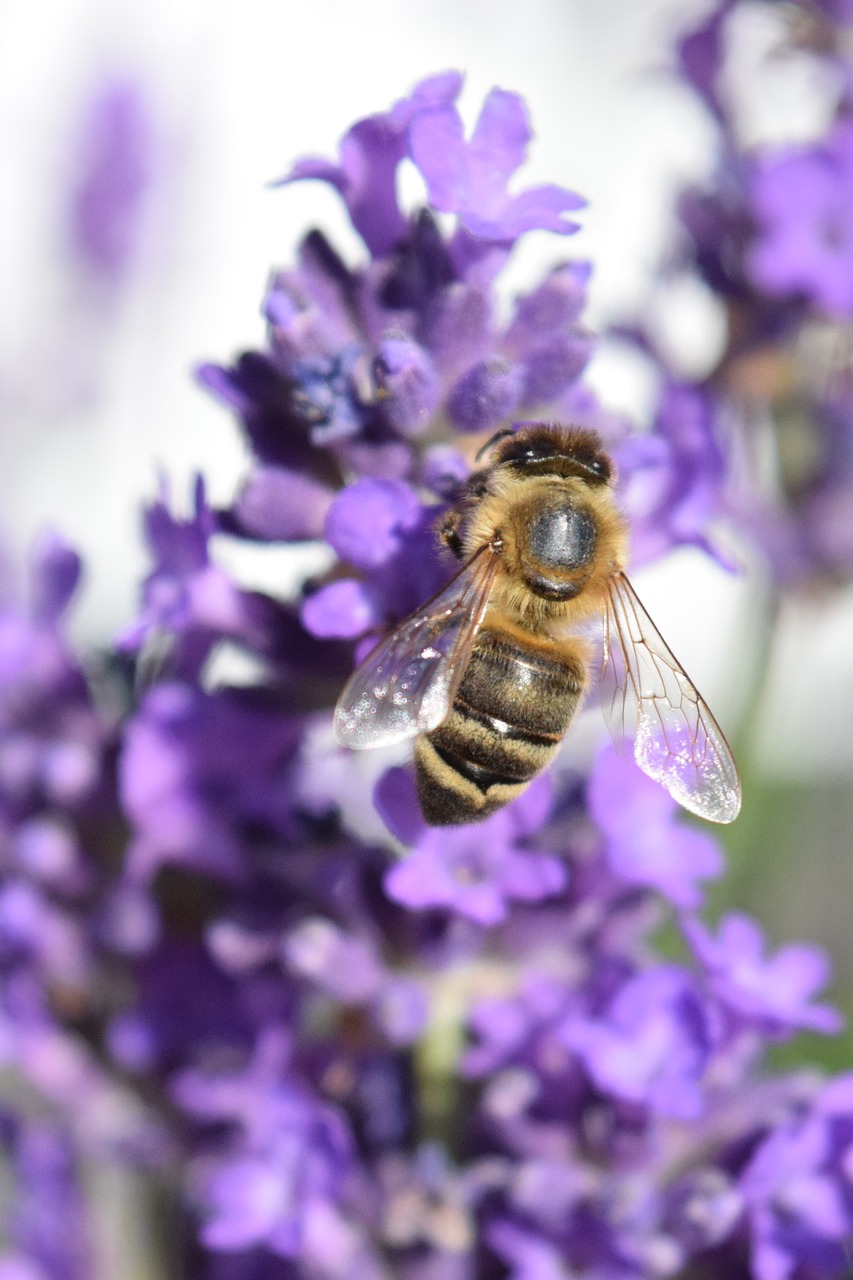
(370, 154)
(47, 1220)
(478, 872)
(364, 360)
(196, 771)
(769, 236)
(349, 970)
(280, 505)
(673, 480)
(700, 55)
(470, 179)
(645, 843)
(379, 527)
(774, 991)
(614, 1107)
(115, 171)
(358, 1047)
(188, 601)
(282, 1179)
(802, 201)
(797, 1187)
(51, 739)
(651, 1045)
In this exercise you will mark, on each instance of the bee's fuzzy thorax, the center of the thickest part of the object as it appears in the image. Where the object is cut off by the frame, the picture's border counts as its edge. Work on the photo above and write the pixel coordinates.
(507, 510)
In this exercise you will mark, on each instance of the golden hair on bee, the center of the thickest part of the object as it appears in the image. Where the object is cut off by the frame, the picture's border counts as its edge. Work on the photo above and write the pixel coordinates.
(555, 482)
(488, 675)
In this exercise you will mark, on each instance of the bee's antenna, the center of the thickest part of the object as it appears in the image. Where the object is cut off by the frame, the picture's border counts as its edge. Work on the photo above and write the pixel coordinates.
(499, 435)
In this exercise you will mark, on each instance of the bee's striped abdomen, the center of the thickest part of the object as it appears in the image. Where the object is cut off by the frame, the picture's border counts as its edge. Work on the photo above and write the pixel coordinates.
(513, 707)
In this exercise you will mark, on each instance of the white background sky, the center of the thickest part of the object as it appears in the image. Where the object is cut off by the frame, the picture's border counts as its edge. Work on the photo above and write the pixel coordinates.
(90, 412)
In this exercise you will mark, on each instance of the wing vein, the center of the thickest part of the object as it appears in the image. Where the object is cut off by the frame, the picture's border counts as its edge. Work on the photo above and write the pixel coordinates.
(649, 700)
(407, 684)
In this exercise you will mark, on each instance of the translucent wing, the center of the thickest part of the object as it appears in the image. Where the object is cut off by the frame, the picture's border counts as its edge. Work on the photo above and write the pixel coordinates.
(649, 699)
(407, 684)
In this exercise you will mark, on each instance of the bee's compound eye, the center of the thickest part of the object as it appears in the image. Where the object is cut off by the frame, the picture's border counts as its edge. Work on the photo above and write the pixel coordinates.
(563, 538)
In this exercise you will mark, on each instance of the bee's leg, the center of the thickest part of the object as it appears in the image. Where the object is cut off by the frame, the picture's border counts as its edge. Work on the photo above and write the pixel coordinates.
(448, 531)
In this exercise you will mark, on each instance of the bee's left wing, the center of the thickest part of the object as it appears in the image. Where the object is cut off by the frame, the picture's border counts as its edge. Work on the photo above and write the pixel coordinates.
(406, 686)
(648, 698)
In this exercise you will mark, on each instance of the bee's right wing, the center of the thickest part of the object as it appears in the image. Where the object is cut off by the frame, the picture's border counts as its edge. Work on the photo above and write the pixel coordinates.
(407, 684)
(649, 700)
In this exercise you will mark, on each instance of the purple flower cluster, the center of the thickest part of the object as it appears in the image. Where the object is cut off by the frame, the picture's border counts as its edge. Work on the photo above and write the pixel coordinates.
(366, 364)
(351, 1046)
(68, 1107)
(772, 238)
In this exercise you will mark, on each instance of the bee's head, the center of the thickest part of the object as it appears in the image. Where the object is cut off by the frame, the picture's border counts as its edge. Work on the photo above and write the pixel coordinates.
(546, 491)
(545, 448)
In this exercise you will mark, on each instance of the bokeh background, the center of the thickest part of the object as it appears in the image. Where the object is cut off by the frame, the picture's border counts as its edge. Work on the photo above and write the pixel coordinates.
(199, 106)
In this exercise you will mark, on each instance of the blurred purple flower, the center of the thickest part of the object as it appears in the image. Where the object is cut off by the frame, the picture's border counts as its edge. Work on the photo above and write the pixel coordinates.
(797, 1188)
(529, 1256)
(281, 1180)
(802, 198)
(700, 55)
(520, 1028)
(47, 1219)
(350, 970)
(197, 771)
(646, 844)
(770, 236)
(651, 1045)
(115, 161)
(367, 523)
(672, 479)
(277, 504)
(50, 737)
(479, 871)
(186, 998)
(773, 991)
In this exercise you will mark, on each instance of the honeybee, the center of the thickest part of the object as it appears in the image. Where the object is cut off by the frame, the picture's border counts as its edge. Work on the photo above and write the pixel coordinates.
(488, 674)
